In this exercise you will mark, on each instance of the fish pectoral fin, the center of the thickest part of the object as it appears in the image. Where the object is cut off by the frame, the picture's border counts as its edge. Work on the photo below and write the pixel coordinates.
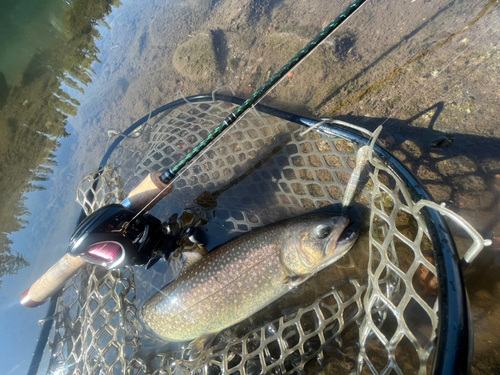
(294, 280)
(201, 250)
(176, 263)
(189, 258)
(197, 346)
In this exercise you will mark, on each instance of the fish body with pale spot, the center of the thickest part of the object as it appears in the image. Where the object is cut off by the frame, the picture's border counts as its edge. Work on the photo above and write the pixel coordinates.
(245, 274)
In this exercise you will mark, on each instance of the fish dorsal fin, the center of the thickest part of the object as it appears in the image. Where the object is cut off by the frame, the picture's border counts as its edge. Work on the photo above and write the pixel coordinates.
(189, 258)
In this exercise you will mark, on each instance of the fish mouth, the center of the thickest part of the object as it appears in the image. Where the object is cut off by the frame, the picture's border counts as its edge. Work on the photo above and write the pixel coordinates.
(345, 234)
(346, 241)
(348, 235)
(347, 227)
(339, 246)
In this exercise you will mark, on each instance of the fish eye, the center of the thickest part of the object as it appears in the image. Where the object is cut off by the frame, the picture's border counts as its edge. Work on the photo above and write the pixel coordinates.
(323, 231)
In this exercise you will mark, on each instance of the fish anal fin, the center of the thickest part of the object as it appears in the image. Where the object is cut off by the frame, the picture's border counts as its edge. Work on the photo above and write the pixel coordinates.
(197, 346)
(294, 280)
(201, 250)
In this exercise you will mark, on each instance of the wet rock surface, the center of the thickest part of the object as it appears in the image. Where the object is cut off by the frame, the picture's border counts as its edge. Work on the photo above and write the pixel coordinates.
(196, 59)
(456, 166)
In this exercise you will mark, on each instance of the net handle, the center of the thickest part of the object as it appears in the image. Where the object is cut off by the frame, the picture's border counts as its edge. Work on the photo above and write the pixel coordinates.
(479, 241)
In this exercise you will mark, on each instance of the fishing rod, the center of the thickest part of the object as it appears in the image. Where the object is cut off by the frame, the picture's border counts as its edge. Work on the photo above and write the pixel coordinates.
(265, 88)
(118, 235)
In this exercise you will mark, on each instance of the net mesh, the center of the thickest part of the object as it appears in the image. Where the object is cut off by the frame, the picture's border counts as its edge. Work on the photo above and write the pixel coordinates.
(380, 319)
(99, 189)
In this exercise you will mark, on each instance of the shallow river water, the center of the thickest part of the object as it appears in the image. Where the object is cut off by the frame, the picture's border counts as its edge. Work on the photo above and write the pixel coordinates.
(71, 71)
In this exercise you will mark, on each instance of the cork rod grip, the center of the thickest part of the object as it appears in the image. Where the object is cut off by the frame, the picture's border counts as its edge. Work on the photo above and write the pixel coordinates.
(51, 281)
(149, 192)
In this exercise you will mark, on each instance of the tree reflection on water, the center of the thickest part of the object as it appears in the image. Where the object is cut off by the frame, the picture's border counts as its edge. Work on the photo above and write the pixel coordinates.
(33, 116)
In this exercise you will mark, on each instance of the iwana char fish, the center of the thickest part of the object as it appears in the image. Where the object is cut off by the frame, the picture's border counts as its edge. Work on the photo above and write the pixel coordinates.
(242, 276)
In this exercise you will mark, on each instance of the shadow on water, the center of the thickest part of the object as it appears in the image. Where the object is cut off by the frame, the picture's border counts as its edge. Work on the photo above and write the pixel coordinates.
(386, 79)
(222, 50)
(459, 169)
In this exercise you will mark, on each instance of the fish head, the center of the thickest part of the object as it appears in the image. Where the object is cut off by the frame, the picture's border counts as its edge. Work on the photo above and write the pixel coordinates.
(315, 241)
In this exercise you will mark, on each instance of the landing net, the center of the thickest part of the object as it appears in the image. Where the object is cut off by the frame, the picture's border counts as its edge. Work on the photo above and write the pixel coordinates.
(374, 312)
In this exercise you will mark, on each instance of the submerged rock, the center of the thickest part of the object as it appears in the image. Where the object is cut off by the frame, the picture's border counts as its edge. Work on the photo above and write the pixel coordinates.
(196, 59)
(458, 165)
(470, 183)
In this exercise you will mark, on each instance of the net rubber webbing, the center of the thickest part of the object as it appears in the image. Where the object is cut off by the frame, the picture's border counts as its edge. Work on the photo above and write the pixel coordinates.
(380, 320)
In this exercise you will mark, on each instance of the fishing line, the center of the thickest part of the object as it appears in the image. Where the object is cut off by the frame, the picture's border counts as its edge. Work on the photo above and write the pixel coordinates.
(172, 174)
(265, 88)
(439, 72)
